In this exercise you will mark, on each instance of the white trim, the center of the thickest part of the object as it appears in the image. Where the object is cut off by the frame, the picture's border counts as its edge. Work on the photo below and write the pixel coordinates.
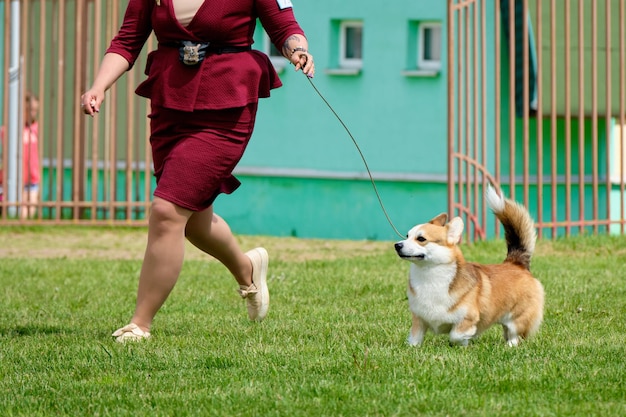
(420, 73)
(340, 175)
(343, 71)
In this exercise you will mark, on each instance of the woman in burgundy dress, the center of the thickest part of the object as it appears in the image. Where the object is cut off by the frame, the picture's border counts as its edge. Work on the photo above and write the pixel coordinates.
(204, 82)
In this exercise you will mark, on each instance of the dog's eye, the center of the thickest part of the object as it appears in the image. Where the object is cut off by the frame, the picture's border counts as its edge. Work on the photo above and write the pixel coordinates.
(421, 239)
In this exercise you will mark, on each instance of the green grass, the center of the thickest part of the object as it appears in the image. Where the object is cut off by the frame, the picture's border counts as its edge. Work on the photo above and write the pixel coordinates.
(332, 345)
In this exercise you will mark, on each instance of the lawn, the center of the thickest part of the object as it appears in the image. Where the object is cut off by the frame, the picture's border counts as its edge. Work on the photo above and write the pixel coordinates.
(334, 342)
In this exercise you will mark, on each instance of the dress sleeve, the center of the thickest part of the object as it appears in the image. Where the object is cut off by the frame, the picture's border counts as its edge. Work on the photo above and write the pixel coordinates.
(135, 30)
(279, 23)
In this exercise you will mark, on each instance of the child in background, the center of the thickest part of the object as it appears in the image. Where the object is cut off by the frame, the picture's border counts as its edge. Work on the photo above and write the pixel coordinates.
(30, 158)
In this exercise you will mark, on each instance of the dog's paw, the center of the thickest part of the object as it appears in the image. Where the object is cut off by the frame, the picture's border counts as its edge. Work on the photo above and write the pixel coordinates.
(414, 341)
(461, 337)
(513, 342)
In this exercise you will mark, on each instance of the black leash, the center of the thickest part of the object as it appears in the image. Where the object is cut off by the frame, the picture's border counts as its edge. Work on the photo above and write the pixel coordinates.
(380, 201)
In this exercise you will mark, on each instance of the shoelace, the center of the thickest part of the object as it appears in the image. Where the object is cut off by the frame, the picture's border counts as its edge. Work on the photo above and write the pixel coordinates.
(252, 289)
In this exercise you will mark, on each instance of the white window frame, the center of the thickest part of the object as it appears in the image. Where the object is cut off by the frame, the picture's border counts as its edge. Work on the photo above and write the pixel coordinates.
(344, 61)
(424, 63)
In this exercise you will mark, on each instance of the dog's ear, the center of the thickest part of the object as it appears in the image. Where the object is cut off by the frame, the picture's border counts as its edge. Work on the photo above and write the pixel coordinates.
(455, 230)
(440, 220)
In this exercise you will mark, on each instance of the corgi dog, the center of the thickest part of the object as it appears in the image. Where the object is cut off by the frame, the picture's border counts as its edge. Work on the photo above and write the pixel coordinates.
(449, 295)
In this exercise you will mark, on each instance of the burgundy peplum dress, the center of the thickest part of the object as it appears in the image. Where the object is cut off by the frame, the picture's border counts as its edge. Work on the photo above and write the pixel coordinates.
(202, 116)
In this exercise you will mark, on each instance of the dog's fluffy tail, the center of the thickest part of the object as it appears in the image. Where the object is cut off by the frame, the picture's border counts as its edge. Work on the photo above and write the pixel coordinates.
(519, 228)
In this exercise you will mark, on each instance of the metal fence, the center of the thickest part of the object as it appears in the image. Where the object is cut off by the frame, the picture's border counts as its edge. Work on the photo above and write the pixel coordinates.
(554, 138)
(96, 170)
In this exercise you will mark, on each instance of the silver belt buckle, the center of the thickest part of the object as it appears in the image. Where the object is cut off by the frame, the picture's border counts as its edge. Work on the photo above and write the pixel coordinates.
(190, 54)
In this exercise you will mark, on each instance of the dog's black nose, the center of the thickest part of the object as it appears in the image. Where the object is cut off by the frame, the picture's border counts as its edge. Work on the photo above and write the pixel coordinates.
(399, 246)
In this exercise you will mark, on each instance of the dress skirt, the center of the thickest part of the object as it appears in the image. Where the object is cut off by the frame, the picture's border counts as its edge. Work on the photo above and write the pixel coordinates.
(195, 153)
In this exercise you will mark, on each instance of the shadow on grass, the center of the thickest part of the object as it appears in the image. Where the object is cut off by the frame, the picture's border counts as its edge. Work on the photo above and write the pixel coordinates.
(31, 330)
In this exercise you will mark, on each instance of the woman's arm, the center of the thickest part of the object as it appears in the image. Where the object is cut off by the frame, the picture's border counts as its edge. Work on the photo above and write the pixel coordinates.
(121, 54)
(111, 68)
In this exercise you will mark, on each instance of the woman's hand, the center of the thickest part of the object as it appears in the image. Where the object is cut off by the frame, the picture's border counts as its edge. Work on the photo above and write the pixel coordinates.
(296, 50)
(303, 60)
(90, 101)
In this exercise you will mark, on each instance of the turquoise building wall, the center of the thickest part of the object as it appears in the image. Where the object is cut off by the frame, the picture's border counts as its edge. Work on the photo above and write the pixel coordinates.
(303, 176)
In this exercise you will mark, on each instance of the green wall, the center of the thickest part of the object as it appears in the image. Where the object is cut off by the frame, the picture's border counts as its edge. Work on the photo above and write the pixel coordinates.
(298, 207)
(392, 116)
(399, 122)
(336, 209)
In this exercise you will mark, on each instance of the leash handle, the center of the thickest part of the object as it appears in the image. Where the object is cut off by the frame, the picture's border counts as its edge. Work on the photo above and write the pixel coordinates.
(369, 173)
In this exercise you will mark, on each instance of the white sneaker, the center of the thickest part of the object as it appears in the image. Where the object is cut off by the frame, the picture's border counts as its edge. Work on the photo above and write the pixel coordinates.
(130, 333)
(257, 294)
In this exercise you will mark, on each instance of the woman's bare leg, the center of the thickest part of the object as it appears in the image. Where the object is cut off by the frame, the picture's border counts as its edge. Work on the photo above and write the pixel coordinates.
(162, 261)
(211, 234)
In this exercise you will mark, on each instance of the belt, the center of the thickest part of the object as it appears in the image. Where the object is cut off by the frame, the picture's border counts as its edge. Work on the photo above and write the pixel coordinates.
(193, 52)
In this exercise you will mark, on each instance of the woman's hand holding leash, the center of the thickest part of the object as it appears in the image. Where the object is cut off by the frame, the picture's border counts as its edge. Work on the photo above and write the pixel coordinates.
(303, 60)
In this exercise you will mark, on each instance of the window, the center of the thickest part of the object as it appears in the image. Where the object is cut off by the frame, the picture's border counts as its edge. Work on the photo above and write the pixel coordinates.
(429, 46)
(351, 45)
(424, 49)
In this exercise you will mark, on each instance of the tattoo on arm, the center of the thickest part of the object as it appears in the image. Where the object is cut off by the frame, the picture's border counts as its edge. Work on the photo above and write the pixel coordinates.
(286, 50)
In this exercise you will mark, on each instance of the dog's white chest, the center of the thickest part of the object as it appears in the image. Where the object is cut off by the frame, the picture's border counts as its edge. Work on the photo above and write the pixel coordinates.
(429, 297)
